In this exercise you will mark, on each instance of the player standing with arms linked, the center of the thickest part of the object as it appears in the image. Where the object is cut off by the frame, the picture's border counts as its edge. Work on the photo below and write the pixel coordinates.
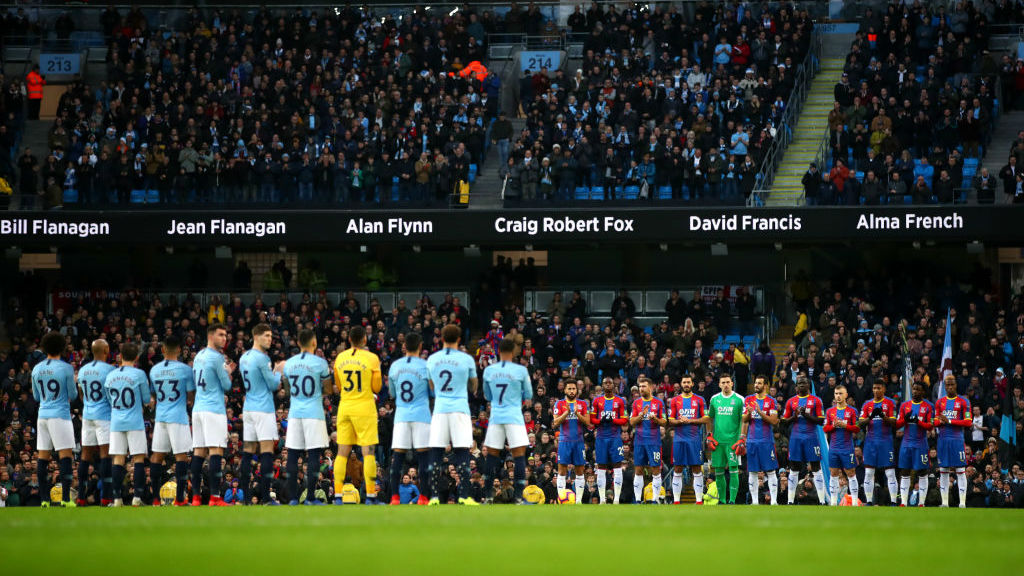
(53, 387)
(952, 418)
(916, 415)
(309, 378)
(174, 389)
(212, 374)
(805, 412)
(259, 422)
(453, 379)
(570, 414)
(357, 377)
(507, 386)
(760, 414)
(409, 385)
(878, 419)
(725, 420)
(686, 414)
(841, 423)
(128, 389)
(608, 414)
(647, 418)
(95, 422)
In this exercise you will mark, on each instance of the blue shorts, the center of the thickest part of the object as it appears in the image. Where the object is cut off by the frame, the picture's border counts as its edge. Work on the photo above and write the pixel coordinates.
(608, 450)
(804, 449)
(761, 457)
(838, 459)
(878, 454)
(571, 453)
(913, 457)
(647, 455)
(951, 453)
(687, 453)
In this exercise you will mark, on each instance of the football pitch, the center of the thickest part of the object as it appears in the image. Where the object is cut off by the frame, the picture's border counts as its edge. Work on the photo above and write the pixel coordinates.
(509, 540)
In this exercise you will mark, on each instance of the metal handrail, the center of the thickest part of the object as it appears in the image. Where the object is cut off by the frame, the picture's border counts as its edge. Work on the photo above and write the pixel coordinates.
(805, 73)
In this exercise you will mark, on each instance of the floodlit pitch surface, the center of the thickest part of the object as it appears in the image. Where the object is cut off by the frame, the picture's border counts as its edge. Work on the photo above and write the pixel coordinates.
(516, 540)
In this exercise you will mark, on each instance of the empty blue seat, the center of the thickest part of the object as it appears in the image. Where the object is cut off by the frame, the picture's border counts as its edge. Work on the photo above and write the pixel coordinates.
(859, 175)
(664, 192)
(972, 162)
(152, 196)
(71, 196)
(597, 193)
(472, 173)
(138, 197)
(582, 193)
(631, 192)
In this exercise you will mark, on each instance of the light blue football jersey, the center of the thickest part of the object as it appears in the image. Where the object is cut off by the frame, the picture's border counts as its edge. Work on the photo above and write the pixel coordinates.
(409, 385)
(212, 381)
(506, 386)
(172, 381)
(53, 387)
(91, 377)
(450, 371)
(128, 389)
(305, 373)
(260, 381)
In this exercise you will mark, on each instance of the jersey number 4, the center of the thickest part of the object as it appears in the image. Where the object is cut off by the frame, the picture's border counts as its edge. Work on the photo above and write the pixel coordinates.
(358, 384)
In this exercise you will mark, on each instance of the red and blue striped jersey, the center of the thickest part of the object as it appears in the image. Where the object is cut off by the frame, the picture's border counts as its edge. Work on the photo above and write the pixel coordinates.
(647, 432)
(616, 408)
(693, 408)
(572, 429)
(842, 438)
(877, 429)
(916, 433)
(958, 411)
(802, 427)
(759, 430)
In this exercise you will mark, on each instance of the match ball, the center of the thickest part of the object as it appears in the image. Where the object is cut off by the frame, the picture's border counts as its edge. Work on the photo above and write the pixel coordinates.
(566, 496)
(532, 494)
(168, 492)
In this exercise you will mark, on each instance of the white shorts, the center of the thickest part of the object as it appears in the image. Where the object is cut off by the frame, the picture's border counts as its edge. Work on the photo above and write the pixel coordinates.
(410, 435)
(209, 430)
(171, 438)
(306, 434)
(95, 432)
(55, 434)
(259, 426)
(132, 442)
(453, 428)
(498, 434)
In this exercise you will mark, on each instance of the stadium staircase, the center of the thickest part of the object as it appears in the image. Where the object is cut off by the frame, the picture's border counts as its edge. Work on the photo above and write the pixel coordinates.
(486, 190)
(781, 340)
(1003, 135)
(36, 137)
(787, 189)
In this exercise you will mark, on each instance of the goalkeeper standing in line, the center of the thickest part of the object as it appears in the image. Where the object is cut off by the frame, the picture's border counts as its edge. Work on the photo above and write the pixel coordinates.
(726, 412)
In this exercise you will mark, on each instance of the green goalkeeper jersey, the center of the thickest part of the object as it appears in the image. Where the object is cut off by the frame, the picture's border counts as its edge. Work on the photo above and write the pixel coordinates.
(726, 412)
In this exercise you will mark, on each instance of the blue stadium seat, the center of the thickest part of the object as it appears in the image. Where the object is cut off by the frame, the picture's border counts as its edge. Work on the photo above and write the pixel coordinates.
(394, 189)
(631, 192)
(138, 197)
(582, 193)
(859, 175)
(908, 199)
(664, 192)
(970, 162)
(597, 193)
(71, 196)
(152, 196)
(472, 173)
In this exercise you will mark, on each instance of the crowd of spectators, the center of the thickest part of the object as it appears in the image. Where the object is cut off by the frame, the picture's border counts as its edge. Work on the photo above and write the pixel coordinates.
(340, 107)
(846, 334)
(669, 103)
(916, 106)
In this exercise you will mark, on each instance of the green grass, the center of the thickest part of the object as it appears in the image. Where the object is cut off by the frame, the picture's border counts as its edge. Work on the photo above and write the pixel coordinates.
(518, 540)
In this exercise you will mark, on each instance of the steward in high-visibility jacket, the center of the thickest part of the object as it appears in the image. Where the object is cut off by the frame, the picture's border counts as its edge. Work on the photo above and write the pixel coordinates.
(34, 82)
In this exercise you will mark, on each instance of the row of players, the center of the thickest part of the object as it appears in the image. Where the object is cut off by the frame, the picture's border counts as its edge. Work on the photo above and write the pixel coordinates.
(113, 428)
